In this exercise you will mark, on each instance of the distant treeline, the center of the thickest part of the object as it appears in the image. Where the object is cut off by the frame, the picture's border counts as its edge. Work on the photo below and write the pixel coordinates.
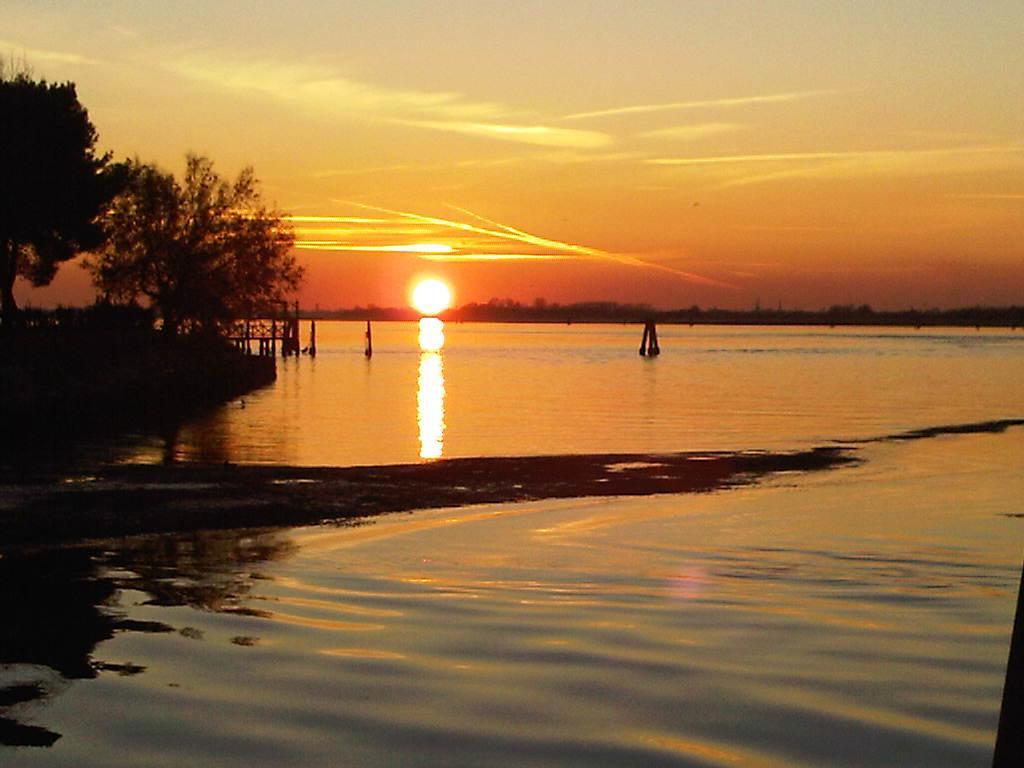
(540, 311)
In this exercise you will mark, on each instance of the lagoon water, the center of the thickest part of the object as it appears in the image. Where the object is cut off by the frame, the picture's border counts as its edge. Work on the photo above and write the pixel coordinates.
(510, 390)
(854, 617)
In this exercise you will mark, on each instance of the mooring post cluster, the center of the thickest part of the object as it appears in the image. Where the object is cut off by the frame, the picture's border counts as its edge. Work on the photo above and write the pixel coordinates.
(649, 343)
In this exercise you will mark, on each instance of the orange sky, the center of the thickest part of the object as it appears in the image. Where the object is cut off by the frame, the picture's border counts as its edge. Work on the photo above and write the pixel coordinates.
(808, 153)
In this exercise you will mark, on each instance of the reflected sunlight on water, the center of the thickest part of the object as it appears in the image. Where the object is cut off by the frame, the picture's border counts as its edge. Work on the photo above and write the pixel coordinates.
(430, 405)
(543, 389)
(430, 389)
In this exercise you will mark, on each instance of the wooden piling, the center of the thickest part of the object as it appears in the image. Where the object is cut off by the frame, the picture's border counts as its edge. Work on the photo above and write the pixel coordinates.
(369, 341)
(649, 343)
(312, 338)
(1009, 749)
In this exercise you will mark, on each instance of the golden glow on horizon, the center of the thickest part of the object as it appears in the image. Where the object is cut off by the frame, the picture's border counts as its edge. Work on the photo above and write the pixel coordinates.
(430, 297)
(869, 152)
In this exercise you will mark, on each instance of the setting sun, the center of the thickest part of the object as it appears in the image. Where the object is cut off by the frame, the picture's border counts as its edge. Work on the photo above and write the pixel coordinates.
(431, 297)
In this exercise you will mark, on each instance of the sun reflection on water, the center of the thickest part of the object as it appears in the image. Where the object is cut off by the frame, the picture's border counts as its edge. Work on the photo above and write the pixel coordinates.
(430, 389)
(431, 334)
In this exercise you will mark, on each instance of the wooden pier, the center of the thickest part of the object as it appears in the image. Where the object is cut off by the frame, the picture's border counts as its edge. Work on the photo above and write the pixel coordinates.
(261, 335)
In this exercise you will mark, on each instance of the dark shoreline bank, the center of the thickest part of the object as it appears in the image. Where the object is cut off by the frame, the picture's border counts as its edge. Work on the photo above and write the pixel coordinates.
(58, 385)
(48, 507)
(136, 499)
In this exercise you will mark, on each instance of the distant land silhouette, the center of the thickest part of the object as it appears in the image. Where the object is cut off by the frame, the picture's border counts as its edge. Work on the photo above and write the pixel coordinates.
(541, 311)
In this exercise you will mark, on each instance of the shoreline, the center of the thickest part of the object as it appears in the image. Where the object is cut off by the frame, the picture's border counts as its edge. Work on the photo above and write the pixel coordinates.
(50, 507)
(61, 384)
(139, 499)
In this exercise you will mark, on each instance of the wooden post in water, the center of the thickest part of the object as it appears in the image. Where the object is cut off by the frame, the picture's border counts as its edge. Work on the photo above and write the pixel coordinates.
(293, 332)
(649, 343)
(312, 338)
(1009, 749)
(369, 341)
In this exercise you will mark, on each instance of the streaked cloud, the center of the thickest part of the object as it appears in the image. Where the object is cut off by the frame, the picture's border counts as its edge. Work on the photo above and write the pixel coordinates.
(325, 91)
(42, 54)
(418, 167)
(417, 248)
(763, 158)
(542, 135)
(557, 248)
(989, 196)
(338, 219)
(440, 239)
(123, 30)
(770, 98)
(859, 163)
(500, 231)
(692, 132)
(485, 257)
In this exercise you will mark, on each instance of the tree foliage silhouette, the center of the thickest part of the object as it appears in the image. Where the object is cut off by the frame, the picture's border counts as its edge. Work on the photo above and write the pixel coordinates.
(53, 185)
(201, 251)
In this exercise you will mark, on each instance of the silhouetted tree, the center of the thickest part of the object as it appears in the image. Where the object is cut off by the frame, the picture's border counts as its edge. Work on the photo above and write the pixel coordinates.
(200, 251)
(53, 185)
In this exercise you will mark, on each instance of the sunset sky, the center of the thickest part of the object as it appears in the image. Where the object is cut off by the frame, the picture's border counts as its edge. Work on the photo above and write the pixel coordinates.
(718, 153)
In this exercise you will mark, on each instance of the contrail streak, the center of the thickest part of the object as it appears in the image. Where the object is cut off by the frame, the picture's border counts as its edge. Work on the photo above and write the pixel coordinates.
(505, 232)
(734, 102)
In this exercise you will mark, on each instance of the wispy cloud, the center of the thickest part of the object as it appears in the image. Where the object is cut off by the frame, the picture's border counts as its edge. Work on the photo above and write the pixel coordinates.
(338, 219)
(501, 232)
(989, 196)
(416, 248)
(417, 167)
(123, 30)
(43, 54)
(325, 91)
(542, 135)
(495, 231)
(485, 257)
(770, 98)
(859, 163)
(761, 158)
(692, 132)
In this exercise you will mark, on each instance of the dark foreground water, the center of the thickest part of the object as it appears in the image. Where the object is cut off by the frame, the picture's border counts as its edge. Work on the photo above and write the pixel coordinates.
(859, 616)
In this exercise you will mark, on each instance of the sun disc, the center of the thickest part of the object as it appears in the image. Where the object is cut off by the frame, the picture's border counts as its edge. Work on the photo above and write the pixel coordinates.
(431, 297)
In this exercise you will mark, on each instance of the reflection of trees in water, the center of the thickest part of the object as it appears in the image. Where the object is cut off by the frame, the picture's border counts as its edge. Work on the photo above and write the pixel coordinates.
(206, 439)
(204, 570)
(57, 606)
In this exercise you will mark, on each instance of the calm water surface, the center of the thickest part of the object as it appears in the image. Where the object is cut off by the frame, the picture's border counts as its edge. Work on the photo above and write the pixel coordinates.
(544, 389)
(855, 617)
